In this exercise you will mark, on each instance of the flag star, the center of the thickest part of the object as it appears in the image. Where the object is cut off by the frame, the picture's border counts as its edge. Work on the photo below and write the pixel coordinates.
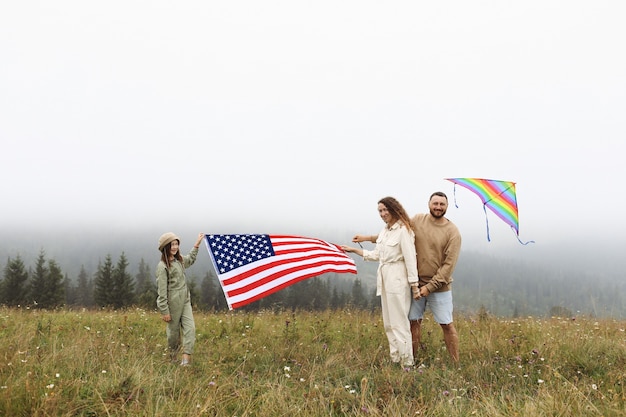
(235, 251)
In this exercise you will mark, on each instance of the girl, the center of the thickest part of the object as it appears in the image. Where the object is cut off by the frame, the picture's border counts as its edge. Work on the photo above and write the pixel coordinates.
(173, 300)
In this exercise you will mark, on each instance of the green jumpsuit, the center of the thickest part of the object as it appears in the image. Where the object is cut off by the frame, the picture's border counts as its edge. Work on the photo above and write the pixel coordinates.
(174, 299)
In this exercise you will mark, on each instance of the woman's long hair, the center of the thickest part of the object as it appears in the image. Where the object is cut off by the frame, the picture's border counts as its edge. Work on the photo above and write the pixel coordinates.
(398, 213)
(167, 251)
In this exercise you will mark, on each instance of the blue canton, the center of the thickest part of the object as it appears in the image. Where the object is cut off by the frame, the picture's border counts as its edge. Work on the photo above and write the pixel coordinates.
(234, 251)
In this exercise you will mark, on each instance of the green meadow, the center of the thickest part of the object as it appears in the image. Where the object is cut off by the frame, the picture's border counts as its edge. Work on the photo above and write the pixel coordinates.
(284, 363)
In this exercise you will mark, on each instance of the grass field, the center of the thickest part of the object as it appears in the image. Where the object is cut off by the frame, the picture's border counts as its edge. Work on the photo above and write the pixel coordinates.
(334, 363)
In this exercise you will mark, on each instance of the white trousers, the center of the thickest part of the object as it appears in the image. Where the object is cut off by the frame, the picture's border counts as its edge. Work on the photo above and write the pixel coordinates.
(395, 306)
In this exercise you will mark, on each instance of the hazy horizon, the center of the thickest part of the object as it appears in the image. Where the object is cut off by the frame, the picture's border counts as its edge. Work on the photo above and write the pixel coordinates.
(583, 256)
(133, 118)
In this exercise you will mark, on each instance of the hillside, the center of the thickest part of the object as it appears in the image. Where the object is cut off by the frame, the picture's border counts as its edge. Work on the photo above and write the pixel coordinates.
(578, 280)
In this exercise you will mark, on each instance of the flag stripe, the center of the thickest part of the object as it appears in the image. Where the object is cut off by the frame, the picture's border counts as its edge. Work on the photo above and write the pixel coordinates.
(262, 279)
(277, 284)
(271, 267)
(250, 267)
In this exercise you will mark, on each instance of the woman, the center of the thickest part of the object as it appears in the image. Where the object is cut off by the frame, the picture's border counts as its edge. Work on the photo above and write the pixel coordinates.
(397, 273)
(173, 300)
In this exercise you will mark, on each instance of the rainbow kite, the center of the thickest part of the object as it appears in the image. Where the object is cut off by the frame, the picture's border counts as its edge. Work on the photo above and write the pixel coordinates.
(498, 196)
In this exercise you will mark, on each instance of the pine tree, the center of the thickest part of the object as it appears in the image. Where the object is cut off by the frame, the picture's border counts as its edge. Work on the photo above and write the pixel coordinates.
(84, 289)
(293, 296)
(211, 294)
(208, 293)
(38, 280)
(194, 292)
(46, 287)
(54, 294)
(358, 297)
(104, 284)
(13, 291)
(124, 286)
(142, 276)
(70, 291)
(218, 299)
(374, 300)
(322, 294)
(335, 299)
(146, 286)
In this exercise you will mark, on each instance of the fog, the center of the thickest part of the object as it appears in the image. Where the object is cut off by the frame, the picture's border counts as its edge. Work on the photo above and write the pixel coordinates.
(124, 120)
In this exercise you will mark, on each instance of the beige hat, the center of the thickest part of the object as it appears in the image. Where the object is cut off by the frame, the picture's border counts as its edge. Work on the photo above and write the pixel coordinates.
(167, 238)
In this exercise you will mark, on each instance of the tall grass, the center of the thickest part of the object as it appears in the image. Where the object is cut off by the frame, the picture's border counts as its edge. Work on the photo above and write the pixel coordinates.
(105, 363)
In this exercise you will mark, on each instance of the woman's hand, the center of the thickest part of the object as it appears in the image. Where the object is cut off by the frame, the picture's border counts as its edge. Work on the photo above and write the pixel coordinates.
(415, 290)
(167, 318)
(351, 249)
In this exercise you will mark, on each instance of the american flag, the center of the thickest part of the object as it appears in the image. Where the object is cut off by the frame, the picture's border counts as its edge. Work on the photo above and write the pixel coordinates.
(250, 267)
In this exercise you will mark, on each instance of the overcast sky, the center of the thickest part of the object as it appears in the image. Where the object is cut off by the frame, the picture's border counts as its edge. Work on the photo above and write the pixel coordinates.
(298, 116)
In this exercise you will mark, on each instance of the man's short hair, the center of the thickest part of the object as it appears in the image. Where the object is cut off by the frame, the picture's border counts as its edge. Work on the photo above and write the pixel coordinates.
(439, 194)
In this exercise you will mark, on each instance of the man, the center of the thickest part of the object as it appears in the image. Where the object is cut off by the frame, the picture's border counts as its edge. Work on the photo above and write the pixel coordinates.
(438, 244)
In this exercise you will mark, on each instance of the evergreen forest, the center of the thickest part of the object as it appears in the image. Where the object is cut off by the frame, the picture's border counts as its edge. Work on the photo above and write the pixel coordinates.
(482, 284)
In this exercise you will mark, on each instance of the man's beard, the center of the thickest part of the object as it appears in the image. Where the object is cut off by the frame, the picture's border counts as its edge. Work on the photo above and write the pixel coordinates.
(437, 216)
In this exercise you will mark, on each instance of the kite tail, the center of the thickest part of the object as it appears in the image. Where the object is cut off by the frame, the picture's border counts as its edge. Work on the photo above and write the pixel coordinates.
(487, 222)
(518, 239)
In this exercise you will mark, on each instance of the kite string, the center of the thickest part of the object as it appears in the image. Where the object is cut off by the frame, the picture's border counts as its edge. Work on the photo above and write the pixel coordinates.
(484, 209)
(487, 218)
(486, 222)
(518, 239)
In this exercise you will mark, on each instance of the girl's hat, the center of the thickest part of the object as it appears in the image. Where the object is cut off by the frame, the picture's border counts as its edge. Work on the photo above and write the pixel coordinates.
(167, 238)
